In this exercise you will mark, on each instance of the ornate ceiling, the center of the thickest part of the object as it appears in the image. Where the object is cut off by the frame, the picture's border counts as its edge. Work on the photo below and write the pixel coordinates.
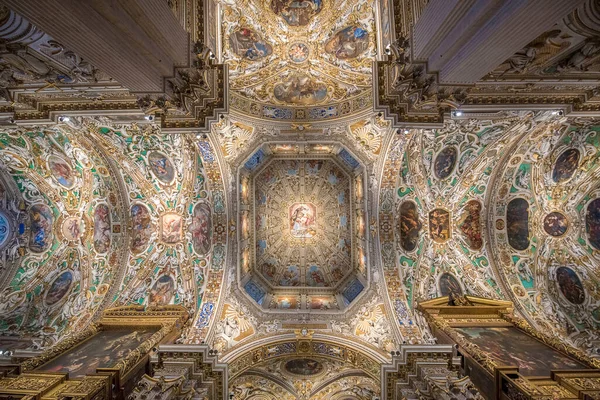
(284, 65)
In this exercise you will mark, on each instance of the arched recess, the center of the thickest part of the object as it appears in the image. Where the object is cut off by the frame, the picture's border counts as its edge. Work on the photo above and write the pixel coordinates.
(554, 280)
(307, 364)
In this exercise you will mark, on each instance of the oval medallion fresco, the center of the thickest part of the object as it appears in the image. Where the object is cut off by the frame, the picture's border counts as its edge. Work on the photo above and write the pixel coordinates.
(439, 225)
(303, 366)
(247, 43)
(297, 13)
(161, 166)
(449, 284)
(517, 223)
(4, 229)
(471, 225)
(592, 223)
(102, 229)
(41, 228)
(570, 285)
(555, 224)
(61, 171)
(59, 288)
(348, 43)
(201, 228)
(445, 162)
(565, 165)
(300, 89)
(410, 226)
(163, 291)
(141, 227)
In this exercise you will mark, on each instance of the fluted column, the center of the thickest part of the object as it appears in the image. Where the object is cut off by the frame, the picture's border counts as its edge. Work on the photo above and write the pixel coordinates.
(139, 43)
(463, 40)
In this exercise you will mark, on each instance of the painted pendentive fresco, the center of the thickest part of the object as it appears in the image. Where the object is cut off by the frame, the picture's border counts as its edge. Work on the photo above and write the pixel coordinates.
(301, 89)
(350, 42)
(304, 367)
(161, 166)
(41, 228)
(556, 224)
(517, 223)
(62, 171)
(513, 347)
(570, 285)
(566, 165)
(142, 227)
(104, 350)
(449, 285)
(410, 226)
(201, 228)
(297, 13)
(102, 235)
(471, 225)
(247, 43)
(592, 223)
(439, 225)
(59, 288)
(445, 162)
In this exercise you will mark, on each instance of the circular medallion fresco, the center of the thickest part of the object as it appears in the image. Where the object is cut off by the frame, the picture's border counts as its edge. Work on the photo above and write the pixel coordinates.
(298, 52)
(556, 224)
(71, 228)
(303, 367)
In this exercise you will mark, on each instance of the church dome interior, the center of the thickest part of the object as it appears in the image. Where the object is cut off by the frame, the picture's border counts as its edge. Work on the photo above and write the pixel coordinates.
(299, 199)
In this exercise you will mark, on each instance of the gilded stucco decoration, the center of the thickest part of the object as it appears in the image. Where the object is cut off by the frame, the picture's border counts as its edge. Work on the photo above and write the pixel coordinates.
(284, 66)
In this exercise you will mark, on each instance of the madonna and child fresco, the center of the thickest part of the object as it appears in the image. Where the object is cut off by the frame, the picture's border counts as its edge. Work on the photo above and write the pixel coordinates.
(297, 12)
(103, 350)
(565, 165)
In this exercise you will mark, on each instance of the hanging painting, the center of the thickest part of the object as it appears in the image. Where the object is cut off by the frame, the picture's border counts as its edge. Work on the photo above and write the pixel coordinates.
(297, 13)
(59, 288)
(171, 228)
(201, 228)
(449, 284)
(439, 225)
(303, 220)
(301, 89)
(161, 166)
(555, 224)
(517, 223)
(41, 228)
(565, 165)
(163, 291)
(102, 229)
(410, 226)
(445, 162)
(510, 346)
(570, 285)
(348, 43)
(247, 43)
(471, 225)
(592, 223)
(103, 350)
(141, 227)
(304, 367)
(61, 171)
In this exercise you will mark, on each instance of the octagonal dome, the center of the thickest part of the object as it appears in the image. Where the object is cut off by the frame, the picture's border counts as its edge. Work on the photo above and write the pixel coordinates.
(303, 242)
